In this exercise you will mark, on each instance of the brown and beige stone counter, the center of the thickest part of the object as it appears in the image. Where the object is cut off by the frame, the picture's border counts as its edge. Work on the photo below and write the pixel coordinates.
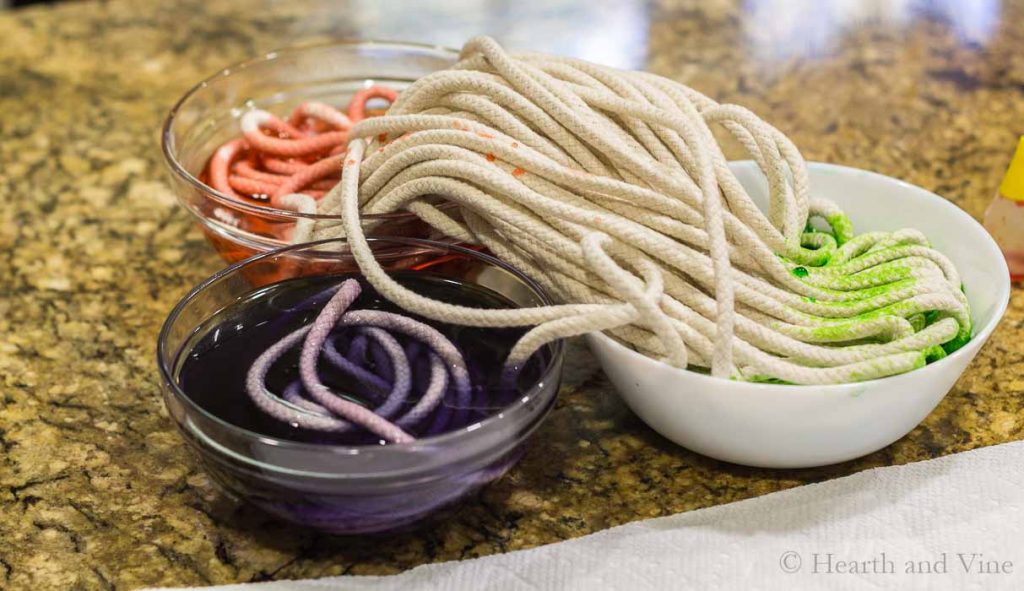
(97, 491)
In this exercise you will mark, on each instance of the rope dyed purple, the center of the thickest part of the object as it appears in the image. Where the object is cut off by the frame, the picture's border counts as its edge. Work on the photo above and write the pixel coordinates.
(308, 403)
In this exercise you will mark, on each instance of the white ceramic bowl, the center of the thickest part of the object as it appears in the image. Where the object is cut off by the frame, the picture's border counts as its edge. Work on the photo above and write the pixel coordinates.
(780, 426)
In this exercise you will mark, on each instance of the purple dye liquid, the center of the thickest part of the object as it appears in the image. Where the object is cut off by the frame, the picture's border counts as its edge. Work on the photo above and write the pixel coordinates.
(214, 363)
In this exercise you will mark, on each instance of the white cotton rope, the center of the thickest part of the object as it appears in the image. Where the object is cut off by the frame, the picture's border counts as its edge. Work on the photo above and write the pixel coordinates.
(610, 190)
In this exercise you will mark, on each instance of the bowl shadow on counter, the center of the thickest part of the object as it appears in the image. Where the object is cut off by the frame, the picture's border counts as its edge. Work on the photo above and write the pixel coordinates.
(751, 482)
(781, 515)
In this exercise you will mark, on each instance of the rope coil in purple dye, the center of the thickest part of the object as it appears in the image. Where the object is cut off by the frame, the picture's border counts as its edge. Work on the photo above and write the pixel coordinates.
(309, 404)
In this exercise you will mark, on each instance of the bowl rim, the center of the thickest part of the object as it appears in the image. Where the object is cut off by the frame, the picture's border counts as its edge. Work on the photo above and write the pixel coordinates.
(516, 413)
(980, 335)
(166, 137)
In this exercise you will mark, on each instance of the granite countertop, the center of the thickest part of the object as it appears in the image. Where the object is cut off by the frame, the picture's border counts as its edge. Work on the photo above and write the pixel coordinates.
(96, 489)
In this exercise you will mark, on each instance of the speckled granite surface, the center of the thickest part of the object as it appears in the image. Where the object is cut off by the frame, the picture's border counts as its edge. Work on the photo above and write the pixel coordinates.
(97, 492)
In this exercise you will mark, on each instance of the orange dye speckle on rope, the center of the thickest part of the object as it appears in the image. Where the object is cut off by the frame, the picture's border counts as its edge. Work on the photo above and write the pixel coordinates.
(491, 157)
(518, 172)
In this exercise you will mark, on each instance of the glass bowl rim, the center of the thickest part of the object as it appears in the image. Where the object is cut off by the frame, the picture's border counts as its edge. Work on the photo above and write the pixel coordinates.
(515, 413)
(170, 154)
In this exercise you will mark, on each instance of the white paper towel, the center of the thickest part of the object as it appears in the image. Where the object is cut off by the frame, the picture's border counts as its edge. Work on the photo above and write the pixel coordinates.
(959, 516)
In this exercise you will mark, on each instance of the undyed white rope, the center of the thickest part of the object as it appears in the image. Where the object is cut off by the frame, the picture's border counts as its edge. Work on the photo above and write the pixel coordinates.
(610, 189)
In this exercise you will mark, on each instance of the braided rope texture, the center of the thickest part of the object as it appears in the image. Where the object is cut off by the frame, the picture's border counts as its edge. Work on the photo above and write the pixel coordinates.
(610, 189)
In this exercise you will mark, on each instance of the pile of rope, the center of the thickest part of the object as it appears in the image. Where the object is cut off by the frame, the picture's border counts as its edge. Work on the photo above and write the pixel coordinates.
(610, 190)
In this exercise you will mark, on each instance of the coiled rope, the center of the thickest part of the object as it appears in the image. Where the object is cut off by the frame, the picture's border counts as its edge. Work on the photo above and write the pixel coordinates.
(324, 410)
(609, 188)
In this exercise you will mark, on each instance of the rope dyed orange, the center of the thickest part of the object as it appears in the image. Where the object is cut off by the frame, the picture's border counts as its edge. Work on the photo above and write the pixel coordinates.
(274, 157)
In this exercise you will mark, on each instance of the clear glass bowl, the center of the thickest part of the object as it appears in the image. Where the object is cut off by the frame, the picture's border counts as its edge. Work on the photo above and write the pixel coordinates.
(207, 116)
(352, 489)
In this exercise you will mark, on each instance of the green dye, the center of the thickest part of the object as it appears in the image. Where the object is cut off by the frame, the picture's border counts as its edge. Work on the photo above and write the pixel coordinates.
(932, 354)
(851, 295)
(768, 380)
(958, 341)
(842, 228)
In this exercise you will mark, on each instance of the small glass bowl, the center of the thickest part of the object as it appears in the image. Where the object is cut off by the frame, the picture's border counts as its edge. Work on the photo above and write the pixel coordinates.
(352, 489)
(207, 116)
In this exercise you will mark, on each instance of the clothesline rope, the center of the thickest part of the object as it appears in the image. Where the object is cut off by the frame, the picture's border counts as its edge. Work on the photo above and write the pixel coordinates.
(609, 189)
